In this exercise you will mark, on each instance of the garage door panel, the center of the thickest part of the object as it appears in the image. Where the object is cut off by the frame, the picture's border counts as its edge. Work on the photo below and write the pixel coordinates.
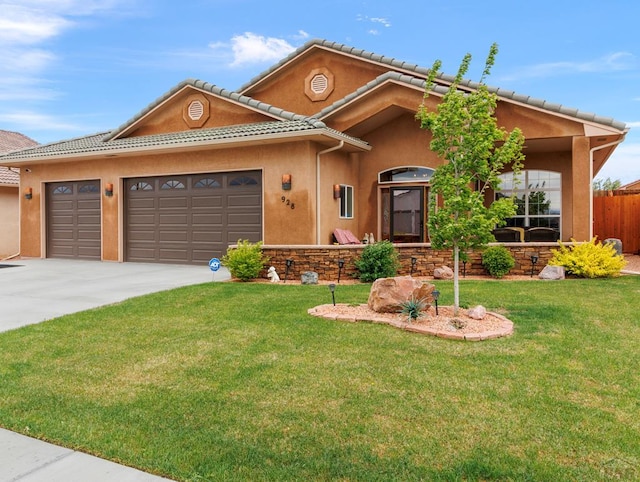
(73, 220)
(175, 219)
(141, 203)
(172, 202)
(62, 234)
(213, 219)
(248, 219)
(143, 219)
(174, 255)
(190, 216)
(168, 236)
(207, 236)
(85, 234)
(243, 201)
(207, 202)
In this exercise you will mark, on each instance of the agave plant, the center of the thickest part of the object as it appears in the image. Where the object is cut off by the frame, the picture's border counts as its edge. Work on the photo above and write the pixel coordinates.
(413, 308)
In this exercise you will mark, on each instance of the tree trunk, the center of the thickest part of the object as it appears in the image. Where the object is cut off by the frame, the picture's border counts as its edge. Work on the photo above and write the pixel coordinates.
(456, 279)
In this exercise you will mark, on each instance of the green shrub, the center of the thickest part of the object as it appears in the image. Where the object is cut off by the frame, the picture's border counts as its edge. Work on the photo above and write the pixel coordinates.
(378, 260)
(589, 260)
(497, 260)
(245, 261)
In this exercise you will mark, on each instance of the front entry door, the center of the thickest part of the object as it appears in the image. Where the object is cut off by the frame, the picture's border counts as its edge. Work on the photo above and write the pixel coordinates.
(407, 214)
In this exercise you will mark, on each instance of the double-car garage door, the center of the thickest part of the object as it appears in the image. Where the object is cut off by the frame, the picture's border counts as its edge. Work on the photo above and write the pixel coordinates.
(184, 219)
(190, 219)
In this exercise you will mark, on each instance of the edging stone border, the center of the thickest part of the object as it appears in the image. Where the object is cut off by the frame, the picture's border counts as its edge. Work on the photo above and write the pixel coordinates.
(505, 329)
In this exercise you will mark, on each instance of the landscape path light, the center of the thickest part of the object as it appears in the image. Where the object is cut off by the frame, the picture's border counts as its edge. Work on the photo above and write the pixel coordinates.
(436, 295)
(332, 288)
(534, 260)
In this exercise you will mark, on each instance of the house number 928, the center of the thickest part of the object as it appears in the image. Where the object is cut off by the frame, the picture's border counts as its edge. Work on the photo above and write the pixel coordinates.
(287, 202)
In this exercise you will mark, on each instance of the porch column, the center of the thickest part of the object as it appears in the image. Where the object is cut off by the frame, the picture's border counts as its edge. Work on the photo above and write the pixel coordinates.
(581, 188)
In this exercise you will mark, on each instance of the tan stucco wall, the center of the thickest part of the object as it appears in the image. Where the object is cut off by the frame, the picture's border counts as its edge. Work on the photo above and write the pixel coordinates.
(286, 90)
(9, 221)
(170, 116)
(282, 224)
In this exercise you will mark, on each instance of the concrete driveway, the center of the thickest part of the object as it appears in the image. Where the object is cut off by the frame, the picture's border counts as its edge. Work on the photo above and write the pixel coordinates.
(35, 290)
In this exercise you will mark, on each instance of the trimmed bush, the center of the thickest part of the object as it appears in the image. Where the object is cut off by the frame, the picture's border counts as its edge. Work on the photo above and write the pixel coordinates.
(497, 260)
(245, 261)
(589, 260)
(378, 260)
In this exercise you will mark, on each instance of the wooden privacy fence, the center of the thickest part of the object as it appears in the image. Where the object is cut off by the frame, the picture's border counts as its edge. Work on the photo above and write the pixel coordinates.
(618, 216)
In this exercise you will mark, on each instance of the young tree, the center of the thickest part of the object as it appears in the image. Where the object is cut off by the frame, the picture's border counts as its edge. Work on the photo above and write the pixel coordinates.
(607, 184)
(465, 134)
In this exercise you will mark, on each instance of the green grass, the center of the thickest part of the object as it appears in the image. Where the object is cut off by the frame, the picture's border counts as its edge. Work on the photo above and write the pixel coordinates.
(232, 381)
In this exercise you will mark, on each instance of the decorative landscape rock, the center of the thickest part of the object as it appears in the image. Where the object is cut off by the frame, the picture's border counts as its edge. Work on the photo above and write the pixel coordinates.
(617, 244)
(477, 312)
(388, 294)
(309, 278)
(443, 272)
(552, 272)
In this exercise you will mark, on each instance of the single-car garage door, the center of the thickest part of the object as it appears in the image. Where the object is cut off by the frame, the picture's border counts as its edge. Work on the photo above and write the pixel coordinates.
(192, 218)
(73, 220)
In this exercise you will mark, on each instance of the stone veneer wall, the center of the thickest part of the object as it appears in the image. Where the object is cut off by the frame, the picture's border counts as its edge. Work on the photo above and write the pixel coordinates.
(324, 259)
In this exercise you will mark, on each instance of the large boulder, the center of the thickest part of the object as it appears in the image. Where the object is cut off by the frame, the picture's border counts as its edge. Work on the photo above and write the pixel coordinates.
(552, 272)
(443, 272)
(388, 294)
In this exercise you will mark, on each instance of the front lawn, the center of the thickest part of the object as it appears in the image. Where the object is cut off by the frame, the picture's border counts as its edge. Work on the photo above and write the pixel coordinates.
(232, 381)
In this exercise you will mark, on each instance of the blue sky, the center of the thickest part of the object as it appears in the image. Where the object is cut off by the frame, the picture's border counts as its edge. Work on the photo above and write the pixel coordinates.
(69, 68)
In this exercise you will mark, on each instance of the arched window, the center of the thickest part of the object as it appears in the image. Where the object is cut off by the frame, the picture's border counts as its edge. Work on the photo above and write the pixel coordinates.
(173, 184)
(537, 195)
(406, 174)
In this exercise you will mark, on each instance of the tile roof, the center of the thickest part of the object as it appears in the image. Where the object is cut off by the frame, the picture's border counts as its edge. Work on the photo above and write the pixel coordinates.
(11, 141)
(9, 177)
(444, 79)
(96, 143)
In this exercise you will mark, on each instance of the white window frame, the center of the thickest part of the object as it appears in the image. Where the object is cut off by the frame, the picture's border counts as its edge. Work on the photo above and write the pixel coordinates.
(345, 210)
(526, 188)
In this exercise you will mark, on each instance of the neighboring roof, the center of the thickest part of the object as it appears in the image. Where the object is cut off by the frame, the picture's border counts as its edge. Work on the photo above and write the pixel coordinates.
(442, 79)
(253, 104)
(97, 144)
(631, 186)
(9, 177)
(11, 141)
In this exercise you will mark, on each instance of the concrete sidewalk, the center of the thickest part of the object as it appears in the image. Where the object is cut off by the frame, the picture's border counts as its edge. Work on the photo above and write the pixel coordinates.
(35, 290)
(23, 459)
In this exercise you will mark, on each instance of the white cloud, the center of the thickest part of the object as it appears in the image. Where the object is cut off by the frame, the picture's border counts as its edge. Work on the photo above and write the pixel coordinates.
(250, 48)
(617, 61)
(26, 120)
(377, 20)
(633, 124)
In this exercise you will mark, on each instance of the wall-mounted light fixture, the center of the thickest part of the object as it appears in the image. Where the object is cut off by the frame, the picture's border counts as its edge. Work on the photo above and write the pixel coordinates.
(414, 261)
(108, 189)
(336, 191)
(28, 193)
(286, 182)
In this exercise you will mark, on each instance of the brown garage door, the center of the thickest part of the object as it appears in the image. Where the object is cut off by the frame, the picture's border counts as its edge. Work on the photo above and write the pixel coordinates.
(192, 218)
(73, 219)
